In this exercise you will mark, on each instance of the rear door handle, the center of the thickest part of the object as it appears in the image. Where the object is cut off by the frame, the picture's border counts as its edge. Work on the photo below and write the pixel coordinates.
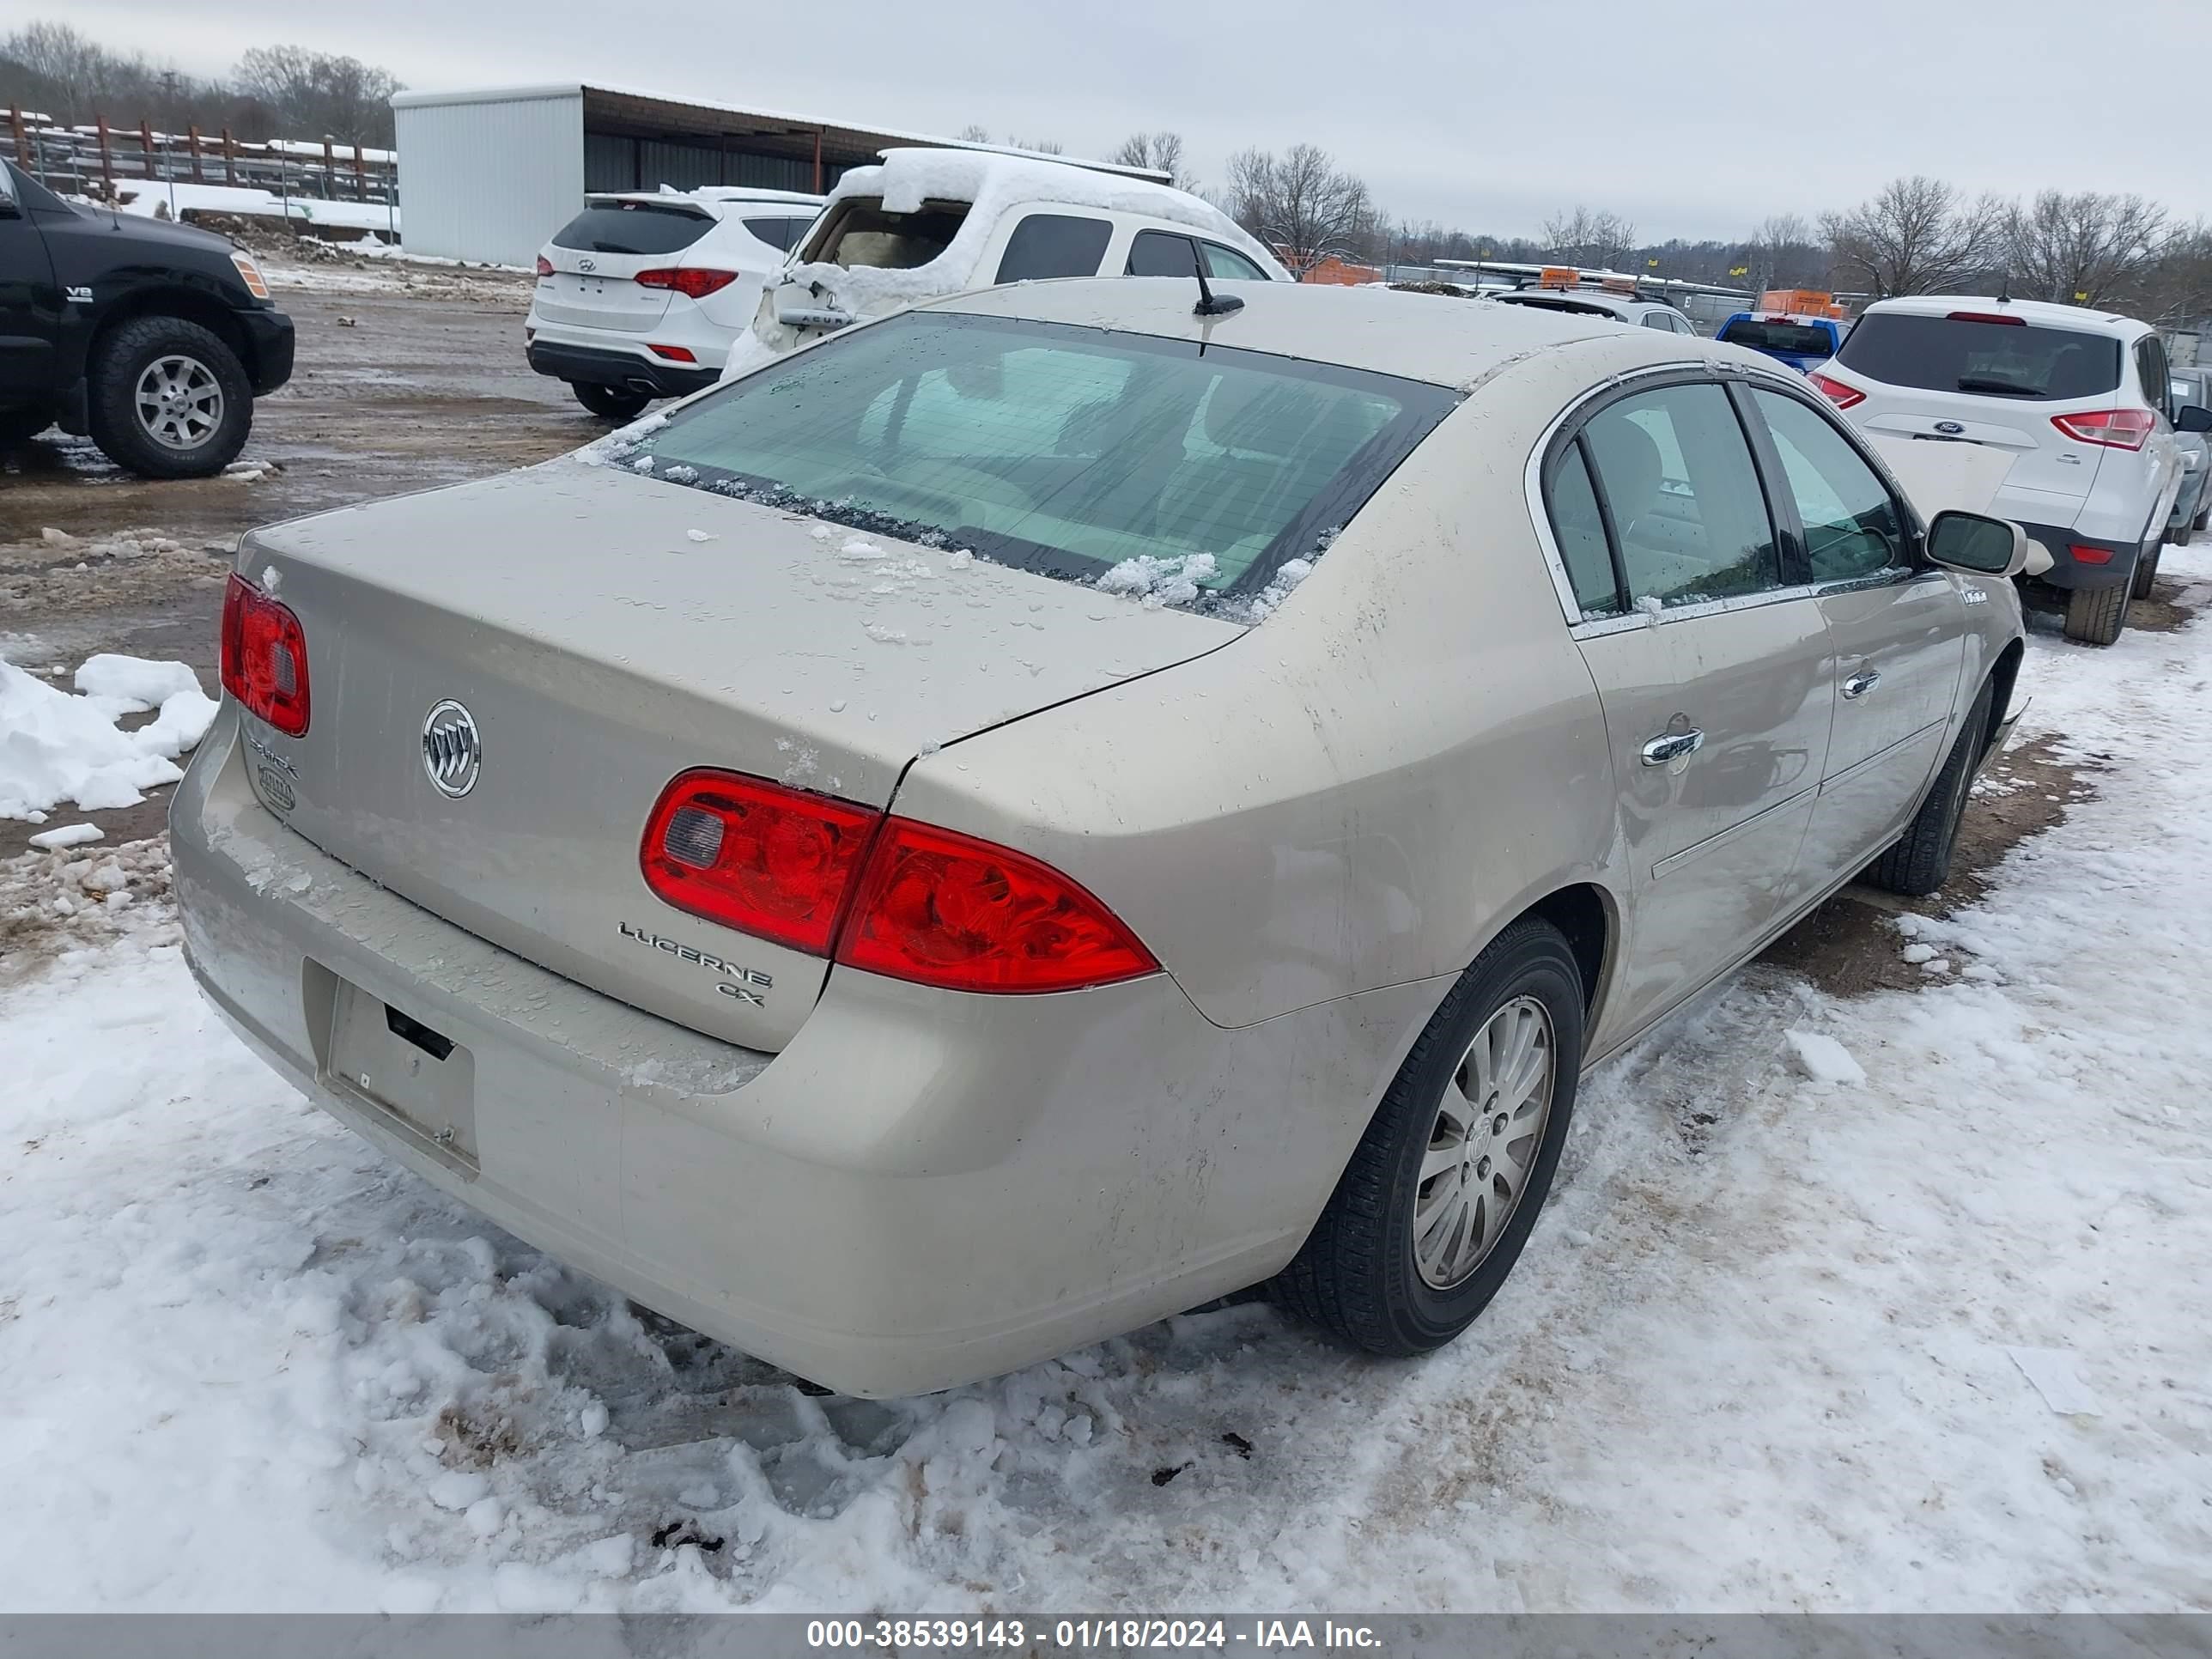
(1861, 682)
(1673, 746)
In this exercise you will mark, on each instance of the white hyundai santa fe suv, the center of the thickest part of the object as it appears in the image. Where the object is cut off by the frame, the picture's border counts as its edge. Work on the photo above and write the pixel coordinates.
(2079, 398)
(640, 294)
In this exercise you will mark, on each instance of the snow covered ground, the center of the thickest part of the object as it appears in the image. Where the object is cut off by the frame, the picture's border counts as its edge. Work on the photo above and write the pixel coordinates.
(1809, 1324)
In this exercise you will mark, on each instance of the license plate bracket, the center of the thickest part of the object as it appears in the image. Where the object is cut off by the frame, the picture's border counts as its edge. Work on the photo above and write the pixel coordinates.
(416, 1078)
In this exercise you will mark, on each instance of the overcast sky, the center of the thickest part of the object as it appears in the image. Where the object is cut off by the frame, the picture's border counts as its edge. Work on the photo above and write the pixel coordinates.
(1691, 119)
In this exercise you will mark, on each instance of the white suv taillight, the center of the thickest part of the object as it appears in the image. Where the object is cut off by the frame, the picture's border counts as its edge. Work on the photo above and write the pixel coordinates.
(1836, 391)
(2115, 429)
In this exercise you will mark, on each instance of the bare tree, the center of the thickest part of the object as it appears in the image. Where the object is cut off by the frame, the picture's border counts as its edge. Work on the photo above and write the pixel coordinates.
(315, 93)
(1302, 204)
(1784, 251)
(1584, 238)
(1160, 151)
(2085, 249)
(72, 78)
(2176, 290)
(1917, 235)
(973, 134)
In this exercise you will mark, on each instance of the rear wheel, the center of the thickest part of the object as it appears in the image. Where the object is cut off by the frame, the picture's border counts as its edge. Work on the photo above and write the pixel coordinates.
(1920, 861)
(167, 399)
(1438, 1200)
(610, 403)
(2204, 512)
(2147, 568)
(2096, 616)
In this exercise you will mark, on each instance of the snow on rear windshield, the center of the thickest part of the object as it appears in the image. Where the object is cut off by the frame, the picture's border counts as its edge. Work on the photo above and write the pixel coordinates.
(1140, 464)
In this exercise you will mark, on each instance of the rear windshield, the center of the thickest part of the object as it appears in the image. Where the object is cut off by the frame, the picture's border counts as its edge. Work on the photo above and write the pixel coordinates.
(1990, 360)
(1579, 307)
(1068, 451)
(1798, 339)
(633, 228)
(861, 233)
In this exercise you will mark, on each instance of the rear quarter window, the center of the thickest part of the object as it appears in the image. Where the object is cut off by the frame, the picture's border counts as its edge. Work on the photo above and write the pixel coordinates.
(632, 228)
(1046, 245)
(2002, 359)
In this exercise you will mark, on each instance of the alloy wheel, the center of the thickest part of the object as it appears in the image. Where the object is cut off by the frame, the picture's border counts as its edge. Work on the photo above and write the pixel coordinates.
(179, 401)
(1483, 1141)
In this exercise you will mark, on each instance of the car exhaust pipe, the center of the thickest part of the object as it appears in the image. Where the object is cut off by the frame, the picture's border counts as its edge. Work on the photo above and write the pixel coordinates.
(638, 383)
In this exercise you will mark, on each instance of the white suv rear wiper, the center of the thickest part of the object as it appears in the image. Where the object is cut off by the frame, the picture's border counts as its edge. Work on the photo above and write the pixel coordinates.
(2004, 388)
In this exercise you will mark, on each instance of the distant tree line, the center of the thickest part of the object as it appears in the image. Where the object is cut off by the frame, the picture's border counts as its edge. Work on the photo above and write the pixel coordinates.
(273, 92)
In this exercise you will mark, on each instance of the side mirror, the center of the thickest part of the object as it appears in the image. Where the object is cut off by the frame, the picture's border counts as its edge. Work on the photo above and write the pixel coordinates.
(1981, 546)
(2194, 417)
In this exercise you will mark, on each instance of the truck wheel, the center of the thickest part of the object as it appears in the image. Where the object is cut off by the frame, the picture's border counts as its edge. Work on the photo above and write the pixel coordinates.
(167, 399)
(1431, 1213)
(2147, 569)
(2095, 616)
(18, 426)
(610, 403)
(1920, 861)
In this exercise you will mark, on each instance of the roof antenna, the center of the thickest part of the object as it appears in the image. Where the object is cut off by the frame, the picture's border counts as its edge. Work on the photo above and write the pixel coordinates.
(2004, 288)
(1210, 304)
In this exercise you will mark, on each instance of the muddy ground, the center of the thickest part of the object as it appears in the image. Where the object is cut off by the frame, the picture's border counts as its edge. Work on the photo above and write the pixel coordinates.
(412, 378)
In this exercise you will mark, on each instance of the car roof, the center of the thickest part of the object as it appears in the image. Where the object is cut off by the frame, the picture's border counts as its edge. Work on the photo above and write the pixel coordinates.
(1416, 337)
(2041, 312)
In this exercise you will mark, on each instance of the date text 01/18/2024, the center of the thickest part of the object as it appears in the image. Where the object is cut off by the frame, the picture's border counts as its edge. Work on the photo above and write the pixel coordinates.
(1127, 1634)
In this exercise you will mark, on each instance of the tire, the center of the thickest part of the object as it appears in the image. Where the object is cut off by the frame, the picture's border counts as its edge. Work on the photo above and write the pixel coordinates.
(2147, 568)
(1361, 1274)
(2096, 616)
(20, 426)
(2203, 517)
(201, 433)
(610, 403)
(1919, 862)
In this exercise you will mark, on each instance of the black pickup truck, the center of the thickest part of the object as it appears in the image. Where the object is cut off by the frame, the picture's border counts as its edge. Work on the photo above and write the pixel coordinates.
(154, 338)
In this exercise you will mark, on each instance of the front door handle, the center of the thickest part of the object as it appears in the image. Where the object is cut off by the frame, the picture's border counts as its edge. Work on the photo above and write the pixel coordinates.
(1861, 682)
(1673, 746)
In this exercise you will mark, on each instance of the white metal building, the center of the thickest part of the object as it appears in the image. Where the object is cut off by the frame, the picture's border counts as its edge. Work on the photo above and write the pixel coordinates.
(489, 174)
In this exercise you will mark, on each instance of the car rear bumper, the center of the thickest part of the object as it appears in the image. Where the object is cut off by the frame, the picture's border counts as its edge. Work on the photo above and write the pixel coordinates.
(2069, 570)
(269, 343)
(923, 1188)
(637, 370)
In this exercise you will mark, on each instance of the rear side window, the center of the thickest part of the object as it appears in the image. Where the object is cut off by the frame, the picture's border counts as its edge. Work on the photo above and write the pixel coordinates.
(1163, 253)
(1579, 527)
(633, 228)
(1993, 360)
(1798, 339)
(1226, 262)
(860, 233)
(1046, 245)
(2151, 365)
(778, 233)
(1190, 474)
(1683, 496)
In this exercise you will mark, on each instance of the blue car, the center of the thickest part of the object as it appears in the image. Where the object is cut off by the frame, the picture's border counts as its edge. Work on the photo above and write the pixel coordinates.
(1803, 343)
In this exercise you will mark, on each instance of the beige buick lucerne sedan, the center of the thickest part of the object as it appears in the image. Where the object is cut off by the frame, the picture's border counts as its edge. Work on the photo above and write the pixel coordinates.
(1056, 806)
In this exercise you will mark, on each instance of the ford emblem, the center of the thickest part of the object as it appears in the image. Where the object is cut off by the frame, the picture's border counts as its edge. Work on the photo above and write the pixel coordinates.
(1949, 428)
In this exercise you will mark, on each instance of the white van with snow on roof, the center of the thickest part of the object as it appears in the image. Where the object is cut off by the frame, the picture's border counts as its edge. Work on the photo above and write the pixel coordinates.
(928, 222)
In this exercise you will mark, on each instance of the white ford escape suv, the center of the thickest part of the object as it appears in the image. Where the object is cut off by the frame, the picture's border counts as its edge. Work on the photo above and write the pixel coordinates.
(2079, 398)
(640, 294)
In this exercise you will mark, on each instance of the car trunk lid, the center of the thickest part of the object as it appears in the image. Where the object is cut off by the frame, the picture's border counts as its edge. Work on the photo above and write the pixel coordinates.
(604, 633)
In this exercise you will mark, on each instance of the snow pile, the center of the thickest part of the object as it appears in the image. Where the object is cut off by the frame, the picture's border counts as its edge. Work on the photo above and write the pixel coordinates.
(161, 199)
(54, 747)
(1172, 581)
(1823, 1058)
(65, 901)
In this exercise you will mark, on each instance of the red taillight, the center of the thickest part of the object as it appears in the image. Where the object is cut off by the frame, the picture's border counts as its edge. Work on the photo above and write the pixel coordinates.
(773, 862)
(1836, 391)
(948, 910)
(2089, 555)
(265, 657)
(674, 353)
(687, 280)
(892, 896)
(2003, 317)
(544, 266)
(2115, 429)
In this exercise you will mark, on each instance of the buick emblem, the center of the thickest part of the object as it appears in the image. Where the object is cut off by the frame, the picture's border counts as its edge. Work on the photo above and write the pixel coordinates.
(1951, 428)
(453, 748)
